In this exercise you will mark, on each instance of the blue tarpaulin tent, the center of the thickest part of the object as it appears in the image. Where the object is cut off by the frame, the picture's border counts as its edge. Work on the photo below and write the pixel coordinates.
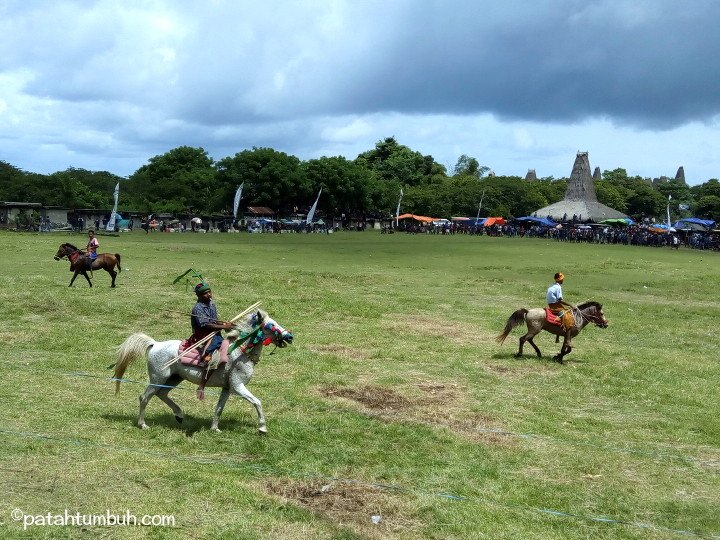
(540, 221)
(694, 223)
(479, 222)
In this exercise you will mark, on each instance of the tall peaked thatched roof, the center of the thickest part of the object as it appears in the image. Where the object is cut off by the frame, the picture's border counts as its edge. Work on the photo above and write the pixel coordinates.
(596, 174)
(581, 186)
(580, 199)
(680, 175)
(531, 175)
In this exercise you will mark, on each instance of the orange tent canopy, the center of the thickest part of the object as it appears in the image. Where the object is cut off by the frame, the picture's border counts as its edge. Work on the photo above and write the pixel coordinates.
(494, 221)
(424, 219)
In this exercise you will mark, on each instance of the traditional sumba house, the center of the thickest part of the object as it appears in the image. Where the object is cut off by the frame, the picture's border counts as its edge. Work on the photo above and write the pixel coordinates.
(531, 175)
(596, 174)
(580, 200)
(680, 175)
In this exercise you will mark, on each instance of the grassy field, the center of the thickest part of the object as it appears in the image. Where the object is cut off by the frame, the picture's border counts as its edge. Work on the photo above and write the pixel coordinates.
(395, 400)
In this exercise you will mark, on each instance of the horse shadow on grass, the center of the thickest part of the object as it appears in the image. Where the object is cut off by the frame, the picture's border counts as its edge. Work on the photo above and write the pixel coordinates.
(189, 426)
(544, 358)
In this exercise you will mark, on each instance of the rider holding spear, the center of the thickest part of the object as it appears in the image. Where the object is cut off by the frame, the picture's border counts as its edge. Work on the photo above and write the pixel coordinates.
(204, 321)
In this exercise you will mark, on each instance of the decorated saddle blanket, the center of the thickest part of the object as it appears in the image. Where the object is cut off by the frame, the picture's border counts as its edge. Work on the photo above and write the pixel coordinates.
(552, 318)
(193, 357)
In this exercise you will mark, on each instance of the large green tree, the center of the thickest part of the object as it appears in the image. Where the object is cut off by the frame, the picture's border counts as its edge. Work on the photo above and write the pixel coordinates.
(394, 162)
(179, 181)
(273, 179)
(469, 166)
(348, 188)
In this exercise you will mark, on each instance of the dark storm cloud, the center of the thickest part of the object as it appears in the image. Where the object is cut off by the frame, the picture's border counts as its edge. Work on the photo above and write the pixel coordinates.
(95, 80)
(651, 64)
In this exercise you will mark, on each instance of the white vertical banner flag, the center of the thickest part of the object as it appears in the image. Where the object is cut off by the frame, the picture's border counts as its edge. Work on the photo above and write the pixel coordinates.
(668, 212)
(397, 212)
(110, 227)
(479, 207)
(236, 203)
(311, 213)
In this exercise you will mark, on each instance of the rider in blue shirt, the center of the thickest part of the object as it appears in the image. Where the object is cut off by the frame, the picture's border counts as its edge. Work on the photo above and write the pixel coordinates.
(204, 322)
(557, 305)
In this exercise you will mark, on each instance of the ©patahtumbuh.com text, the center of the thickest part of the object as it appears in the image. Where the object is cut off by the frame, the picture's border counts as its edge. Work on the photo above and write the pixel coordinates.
(106, 519)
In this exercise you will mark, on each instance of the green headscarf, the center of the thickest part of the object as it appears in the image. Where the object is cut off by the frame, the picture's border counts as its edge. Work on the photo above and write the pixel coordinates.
(202, 287)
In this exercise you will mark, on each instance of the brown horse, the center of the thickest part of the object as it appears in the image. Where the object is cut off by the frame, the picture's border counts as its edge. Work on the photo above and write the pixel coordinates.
(80, 263)
(589, 312)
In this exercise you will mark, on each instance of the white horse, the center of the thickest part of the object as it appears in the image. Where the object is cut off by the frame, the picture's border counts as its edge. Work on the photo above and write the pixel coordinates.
(257, 330)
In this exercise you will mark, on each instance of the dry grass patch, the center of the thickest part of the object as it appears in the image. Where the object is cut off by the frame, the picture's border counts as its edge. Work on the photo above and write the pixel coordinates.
(439, 407)
(349, 505)
(373, 397)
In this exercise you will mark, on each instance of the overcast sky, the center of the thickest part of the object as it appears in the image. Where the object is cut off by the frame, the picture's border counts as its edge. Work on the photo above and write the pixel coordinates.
(106, 85)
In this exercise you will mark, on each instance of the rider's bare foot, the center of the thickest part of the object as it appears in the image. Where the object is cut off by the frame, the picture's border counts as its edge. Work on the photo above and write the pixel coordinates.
(200, 393)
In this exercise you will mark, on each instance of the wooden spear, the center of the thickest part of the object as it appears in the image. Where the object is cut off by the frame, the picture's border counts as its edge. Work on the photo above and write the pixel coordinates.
(210, 336)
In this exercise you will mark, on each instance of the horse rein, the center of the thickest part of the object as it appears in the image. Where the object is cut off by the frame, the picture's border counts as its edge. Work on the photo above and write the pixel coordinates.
(597, 320)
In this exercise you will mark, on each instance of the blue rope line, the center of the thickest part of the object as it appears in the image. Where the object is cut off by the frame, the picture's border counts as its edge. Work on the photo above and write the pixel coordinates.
(88, 375)
(266, 469)
(665, 455)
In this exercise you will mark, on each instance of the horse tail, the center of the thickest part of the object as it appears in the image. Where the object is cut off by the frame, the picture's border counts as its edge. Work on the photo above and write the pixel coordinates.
(131, 349)
(117, 256)
(515, 319)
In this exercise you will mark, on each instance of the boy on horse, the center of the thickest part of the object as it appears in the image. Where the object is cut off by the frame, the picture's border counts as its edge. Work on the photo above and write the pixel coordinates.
(558, 306)
(204, 322)
(92, 245)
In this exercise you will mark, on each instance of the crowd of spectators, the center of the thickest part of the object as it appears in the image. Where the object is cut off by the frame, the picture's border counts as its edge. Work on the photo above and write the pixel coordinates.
(633, 235)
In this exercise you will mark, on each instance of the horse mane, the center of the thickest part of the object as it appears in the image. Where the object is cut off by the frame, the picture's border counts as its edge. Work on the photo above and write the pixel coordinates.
(246, 323)
(71, 246)
(591, 303)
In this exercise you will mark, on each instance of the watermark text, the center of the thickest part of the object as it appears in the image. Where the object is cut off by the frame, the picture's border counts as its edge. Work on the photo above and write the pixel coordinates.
(76, 519)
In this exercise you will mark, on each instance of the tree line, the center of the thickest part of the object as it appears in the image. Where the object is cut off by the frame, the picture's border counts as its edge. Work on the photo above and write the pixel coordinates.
(186, 180)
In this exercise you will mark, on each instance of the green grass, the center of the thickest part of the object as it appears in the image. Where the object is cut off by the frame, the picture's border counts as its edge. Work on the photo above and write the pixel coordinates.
(394, 379)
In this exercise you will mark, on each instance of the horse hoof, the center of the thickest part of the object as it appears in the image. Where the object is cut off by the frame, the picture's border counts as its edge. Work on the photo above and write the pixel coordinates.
(518, 355)
(216, 430)
(262, 430)
(144, 426)
(179, 419)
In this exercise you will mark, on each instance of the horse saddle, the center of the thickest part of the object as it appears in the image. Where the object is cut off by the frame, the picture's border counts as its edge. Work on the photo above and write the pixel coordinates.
(194, 357)
(552, 318)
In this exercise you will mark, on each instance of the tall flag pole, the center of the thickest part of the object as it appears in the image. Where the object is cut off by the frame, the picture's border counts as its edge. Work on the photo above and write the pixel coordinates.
(397, 212)
(311, 213)
(479, 207)
(668, 212)
(236, 203)
(110, 227)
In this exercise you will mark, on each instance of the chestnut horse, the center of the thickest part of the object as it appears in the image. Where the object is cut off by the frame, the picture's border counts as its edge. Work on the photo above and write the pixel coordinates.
(589, 312)
(79, 262)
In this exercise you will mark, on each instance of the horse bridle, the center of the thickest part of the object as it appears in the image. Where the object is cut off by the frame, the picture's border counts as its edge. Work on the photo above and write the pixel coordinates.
(597, 320)
(69, 252)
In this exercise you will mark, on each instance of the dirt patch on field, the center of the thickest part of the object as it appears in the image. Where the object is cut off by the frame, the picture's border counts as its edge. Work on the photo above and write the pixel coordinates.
(351, 505)
(351, 353)
(372, 397)
(438, 404)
